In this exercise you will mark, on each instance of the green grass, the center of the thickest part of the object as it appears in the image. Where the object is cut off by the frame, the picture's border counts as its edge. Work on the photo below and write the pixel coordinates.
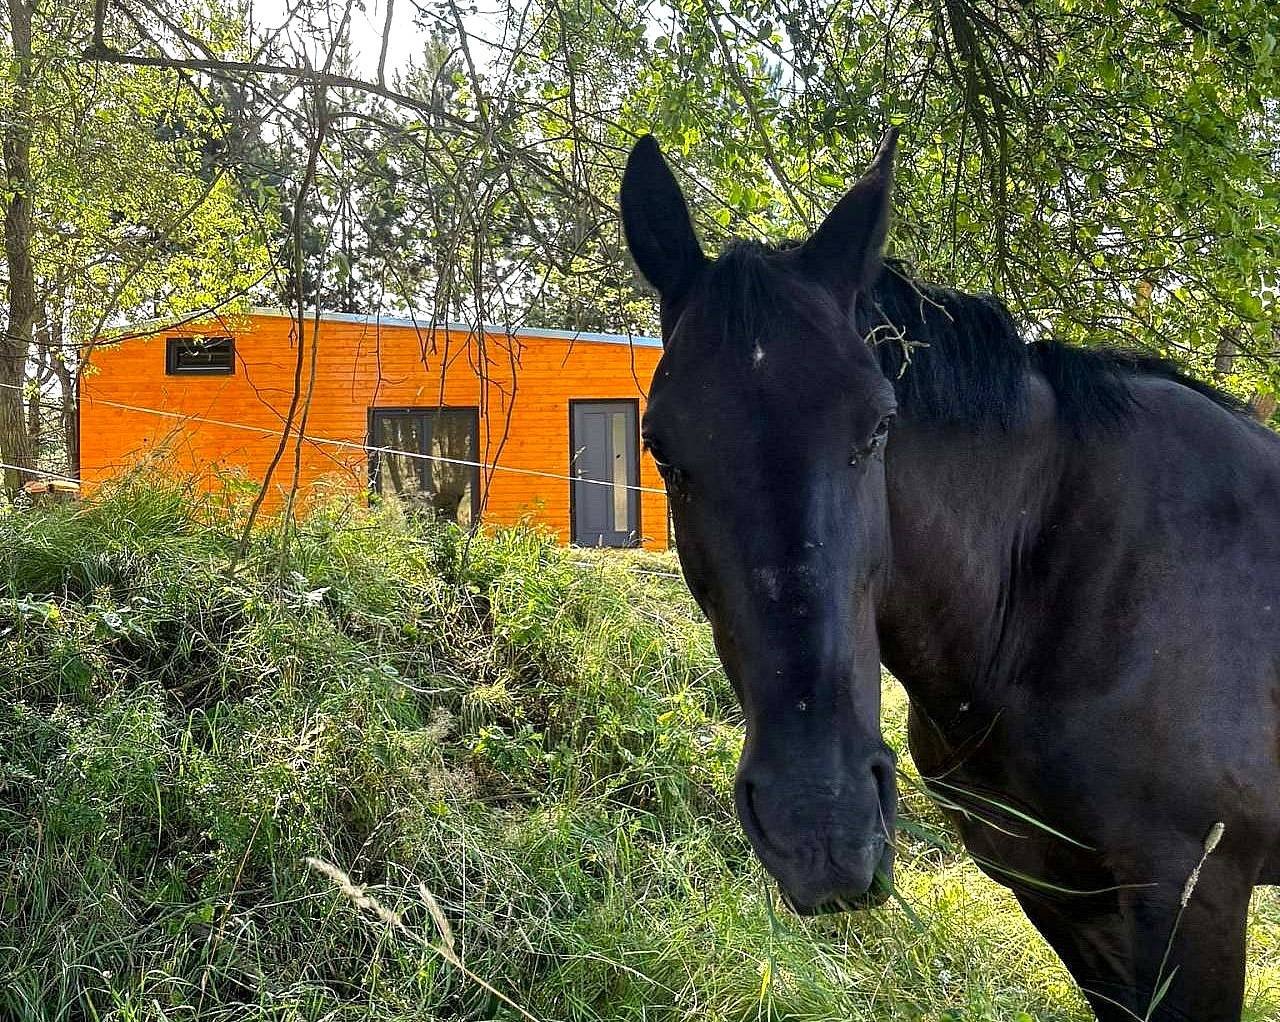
(540, 738)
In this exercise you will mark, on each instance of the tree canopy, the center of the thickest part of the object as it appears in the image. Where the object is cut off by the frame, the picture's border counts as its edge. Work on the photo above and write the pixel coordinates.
(1108, 167)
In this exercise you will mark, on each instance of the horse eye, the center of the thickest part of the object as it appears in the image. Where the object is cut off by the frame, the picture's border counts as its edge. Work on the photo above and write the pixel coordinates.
(876, 443)
(655, 452)
(671, 475)
(882, 432)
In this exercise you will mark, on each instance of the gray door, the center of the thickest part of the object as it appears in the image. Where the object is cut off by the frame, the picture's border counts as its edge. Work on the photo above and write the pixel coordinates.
(605, 451)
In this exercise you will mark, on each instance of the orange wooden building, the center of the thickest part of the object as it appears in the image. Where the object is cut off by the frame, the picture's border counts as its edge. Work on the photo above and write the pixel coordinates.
(499, 426)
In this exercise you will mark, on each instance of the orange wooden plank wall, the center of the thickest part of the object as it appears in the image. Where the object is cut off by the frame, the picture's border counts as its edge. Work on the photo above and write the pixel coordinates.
(529, 382)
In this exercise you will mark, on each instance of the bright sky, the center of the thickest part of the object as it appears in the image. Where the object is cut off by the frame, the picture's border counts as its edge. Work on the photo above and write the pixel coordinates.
(366, 31)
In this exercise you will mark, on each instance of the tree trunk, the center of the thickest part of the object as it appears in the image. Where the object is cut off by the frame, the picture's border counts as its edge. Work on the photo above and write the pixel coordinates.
(68, 375)
(15, 439)
(1263, 406)
(1224, 355)
(35, 423)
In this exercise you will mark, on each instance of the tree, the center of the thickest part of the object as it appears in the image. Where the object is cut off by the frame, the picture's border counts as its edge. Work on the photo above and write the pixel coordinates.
(114, 211)
(1107, 166)
(15, 440)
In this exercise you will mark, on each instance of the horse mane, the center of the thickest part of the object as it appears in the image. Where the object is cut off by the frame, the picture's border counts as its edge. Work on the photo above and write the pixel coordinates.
(957, 357)
(951, 356)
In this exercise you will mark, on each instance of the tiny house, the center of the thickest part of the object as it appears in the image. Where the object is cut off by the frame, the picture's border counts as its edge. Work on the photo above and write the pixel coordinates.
(477, 424)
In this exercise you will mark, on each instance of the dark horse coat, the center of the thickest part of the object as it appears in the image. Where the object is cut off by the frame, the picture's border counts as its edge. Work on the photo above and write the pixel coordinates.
(1070, 558)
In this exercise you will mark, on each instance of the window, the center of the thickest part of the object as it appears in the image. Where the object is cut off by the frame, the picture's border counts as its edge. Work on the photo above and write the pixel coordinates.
(200, 356)
(452, 491)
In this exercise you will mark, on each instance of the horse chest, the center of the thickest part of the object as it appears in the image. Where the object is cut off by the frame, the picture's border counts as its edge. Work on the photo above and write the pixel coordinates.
(1013, 822)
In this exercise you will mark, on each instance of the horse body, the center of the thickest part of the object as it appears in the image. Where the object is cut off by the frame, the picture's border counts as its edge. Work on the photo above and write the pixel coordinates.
(1070, 559)
(1088, 633)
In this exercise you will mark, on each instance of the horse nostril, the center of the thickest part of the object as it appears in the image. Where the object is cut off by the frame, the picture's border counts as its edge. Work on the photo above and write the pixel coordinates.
(747, 809)
(883, 771)
(884, 764)
(746, 794)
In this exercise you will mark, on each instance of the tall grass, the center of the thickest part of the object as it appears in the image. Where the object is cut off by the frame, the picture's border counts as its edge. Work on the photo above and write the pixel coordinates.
(522, 754)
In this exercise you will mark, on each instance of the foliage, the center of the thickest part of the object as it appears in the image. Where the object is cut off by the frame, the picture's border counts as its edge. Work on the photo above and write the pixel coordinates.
(134, 217)
(414, 213)
(129, 215)
(541, 737)
(1110, 168)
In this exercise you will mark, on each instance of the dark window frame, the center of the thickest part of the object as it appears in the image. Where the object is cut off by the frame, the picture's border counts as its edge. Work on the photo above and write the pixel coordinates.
(638, 540)
(425, 412)
(173, 350)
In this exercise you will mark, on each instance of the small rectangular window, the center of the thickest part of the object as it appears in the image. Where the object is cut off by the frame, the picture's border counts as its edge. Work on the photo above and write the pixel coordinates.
(200, 356)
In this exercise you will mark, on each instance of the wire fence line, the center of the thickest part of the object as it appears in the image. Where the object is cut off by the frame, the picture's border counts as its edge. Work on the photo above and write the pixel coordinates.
(632, 568)
(42, 473)
(333, 442)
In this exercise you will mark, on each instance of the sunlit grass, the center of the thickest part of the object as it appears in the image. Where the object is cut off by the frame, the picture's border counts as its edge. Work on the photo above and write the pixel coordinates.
(541, 739)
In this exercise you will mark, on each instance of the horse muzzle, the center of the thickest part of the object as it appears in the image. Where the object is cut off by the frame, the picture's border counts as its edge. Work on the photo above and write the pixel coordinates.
(830, 851)
(866, 885)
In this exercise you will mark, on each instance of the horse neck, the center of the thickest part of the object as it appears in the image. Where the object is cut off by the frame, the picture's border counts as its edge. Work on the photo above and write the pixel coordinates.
(966, 507)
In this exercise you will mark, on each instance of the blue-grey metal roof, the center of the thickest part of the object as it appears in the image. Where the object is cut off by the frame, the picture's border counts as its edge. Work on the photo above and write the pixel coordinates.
(638, 340)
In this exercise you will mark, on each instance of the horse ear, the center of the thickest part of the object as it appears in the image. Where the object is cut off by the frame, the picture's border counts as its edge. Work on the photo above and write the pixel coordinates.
(656, 220)
(845, 253)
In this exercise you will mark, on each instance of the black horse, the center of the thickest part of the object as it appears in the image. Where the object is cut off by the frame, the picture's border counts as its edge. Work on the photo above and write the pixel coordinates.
(1069, 557)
